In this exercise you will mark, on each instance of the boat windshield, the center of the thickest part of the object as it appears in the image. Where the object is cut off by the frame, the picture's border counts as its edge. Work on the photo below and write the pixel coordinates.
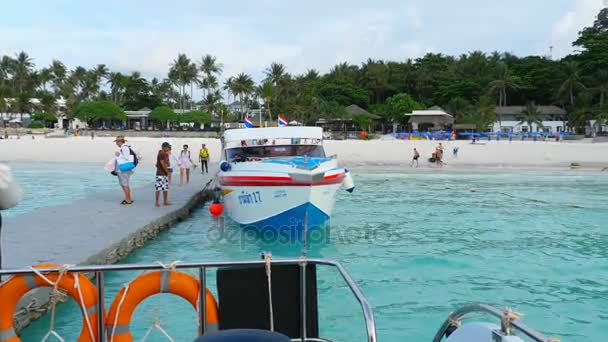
(271, 151)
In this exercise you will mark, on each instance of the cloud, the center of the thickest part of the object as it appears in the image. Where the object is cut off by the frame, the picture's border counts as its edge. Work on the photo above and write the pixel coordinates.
(566, 29)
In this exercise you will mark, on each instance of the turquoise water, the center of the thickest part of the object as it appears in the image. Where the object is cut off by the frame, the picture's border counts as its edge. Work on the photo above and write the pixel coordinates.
(51, 184)
(421, 243)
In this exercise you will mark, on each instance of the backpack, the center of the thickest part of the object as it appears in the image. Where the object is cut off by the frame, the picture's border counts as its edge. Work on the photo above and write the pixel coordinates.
(135, 156)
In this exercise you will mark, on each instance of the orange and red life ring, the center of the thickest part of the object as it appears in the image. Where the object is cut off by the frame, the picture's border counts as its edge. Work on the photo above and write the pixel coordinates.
(16, 287)
(149, 284)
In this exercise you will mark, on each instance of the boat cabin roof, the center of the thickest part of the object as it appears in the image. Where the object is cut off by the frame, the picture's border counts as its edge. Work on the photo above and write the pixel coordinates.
(272, 133)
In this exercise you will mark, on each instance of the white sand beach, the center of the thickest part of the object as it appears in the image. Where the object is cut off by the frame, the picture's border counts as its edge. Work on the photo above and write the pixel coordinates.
(526, 154)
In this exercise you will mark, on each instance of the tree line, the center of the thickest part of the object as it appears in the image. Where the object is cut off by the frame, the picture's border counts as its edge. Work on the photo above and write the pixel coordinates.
(469, 86)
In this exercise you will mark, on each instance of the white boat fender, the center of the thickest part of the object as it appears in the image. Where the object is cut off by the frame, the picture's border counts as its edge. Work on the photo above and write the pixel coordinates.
(225, 166)
(10, 193)
(348, 183)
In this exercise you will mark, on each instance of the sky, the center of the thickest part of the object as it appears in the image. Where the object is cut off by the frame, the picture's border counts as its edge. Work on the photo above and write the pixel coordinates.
(247, 35)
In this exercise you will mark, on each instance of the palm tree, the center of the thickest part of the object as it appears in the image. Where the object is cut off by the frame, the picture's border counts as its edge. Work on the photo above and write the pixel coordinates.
(602, 87)
(47, 102)
(243, 86)
(504, 81)
(45, 76)
(229, 87)
(208, 83)
(59, 72)
(267, 92)
(210, 66)
(275, 73)
(212, 101)
(312, 75)
(22, 69)
(572, 81)
(531, 115)
(486, 109)
(116, 80)
(582, 112)
(182, 73)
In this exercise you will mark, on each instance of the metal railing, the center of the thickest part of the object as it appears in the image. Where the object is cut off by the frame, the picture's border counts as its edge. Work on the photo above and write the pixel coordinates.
(460, 314)
(202, 272)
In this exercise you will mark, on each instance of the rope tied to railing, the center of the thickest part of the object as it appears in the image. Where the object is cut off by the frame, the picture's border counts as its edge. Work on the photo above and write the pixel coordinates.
(172, 267)
(508, 317)
(268, 262)
(56, 296)
(122, 299)
(454, 322)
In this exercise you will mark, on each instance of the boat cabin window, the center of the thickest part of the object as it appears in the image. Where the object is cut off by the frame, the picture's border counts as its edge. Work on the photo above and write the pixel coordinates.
(257, 152)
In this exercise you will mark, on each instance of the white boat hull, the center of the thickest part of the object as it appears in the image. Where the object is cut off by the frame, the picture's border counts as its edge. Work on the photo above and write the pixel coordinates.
(281, 197)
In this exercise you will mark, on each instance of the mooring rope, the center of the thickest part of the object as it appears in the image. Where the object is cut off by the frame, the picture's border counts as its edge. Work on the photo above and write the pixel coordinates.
(56, 297)
(267, 260)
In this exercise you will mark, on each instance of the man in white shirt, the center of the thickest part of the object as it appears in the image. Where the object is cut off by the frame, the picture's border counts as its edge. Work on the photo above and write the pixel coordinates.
(123, 155)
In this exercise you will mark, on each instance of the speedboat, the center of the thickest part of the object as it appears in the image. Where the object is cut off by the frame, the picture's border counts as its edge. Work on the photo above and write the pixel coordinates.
(254, 300)
(279, 178)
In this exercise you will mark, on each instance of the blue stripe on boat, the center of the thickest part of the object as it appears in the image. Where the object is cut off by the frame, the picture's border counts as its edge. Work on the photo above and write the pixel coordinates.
(293, 219)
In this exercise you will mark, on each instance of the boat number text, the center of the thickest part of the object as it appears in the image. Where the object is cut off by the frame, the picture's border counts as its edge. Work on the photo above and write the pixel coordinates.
(250, 198)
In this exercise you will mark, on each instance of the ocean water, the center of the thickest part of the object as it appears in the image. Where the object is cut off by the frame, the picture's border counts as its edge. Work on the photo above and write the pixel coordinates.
(420, 243)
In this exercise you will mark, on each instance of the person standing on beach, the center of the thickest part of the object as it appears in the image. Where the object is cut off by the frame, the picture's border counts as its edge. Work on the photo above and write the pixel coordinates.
(415, 158)
(162, 174)
(203, 156)
(123, 155)
(185, 163)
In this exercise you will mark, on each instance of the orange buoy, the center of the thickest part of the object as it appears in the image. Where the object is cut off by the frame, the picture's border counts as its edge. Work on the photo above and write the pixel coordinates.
(16, 287)
(216, 209)
(149, 284)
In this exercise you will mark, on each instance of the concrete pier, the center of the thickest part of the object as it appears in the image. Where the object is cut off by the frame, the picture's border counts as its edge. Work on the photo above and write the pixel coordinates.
(96, 229)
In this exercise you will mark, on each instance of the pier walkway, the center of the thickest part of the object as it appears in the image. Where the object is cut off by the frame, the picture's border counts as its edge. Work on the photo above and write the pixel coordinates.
(96, 229)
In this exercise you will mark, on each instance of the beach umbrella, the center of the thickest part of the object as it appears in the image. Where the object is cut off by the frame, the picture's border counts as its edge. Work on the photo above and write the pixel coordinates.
(466, 133)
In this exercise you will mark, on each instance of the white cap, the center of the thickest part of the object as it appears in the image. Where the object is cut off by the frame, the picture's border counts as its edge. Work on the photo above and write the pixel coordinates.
(10, 194)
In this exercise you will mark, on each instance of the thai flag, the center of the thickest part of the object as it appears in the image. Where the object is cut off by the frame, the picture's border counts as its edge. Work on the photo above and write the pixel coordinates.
(248, 122)
(282, 121)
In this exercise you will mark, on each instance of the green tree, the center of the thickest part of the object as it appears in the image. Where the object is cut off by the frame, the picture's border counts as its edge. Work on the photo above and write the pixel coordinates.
(482, 116)
(276, 73)
(343, 93)
(243, 86)
(398, 105)
(582, 112)
(601, 79)
(593, 43)
(99, 111)
(504, 82)
(267, 92)
(48, 119)
(196, 117)
(531, 115)
(164, 116)
(458, 106)
(183, 73)
(571, 81)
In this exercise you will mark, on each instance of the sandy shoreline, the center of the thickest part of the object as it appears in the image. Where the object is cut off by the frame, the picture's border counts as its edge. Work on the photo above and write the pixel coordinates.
(516, 154)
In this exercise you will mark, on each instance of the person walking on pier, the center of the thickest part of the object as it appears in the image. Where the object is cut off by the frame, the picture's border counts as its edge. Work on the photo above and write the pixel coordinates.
(162, 174)
(123, 156)
(185, 164)
(203, 156)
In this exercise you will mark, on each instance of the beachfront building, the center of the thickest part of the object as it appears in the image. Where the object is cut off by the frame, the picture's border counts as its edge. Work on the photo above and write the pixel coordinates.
(347, 126)
(432, 119)
(22, 118)
(511, 119)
